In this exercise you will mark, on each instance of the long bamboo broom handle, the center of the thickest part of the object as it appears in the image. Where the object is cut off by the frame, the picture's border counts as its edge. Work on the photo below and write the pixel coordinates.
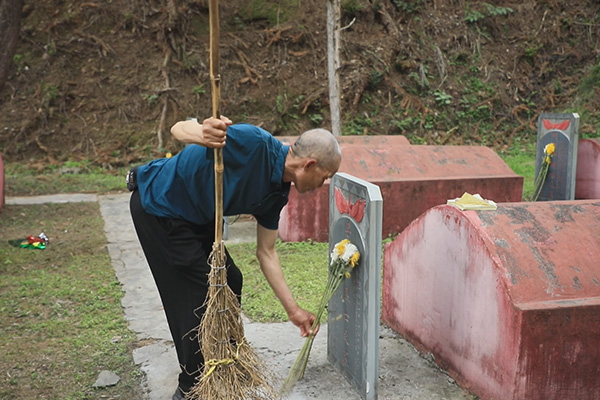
(215, 80)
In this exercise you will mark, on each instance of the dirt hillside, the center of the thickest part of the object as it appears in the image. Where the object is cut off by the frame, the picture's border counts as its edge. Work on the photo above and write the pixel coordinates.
(104, 81)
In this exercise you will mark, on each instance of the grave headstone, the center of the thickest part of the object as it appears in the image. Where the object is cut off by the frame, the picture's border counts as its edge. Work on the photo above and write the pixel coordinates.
(355, 213)
(562, 130)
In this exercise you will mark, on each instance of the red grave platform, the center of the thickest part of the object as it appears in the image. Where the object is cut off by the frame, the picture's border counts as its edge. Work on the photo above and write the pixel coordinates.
(412, 179)
(507, 301)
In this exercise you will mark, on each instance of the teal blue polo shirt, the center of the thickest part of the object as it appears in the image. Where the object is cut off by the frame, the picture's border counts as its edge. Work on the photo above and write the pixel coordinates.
(183, 186)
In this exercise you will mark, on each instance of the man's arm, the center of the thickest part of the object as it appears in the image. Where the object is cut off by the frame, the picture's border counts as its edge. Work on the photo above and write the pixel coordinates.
(271, 268)
(211, 133)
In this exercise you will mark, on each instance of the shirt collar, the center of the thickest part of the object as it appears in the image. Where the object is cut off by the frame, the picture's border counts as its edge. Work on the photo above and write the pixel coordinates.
(277, 177)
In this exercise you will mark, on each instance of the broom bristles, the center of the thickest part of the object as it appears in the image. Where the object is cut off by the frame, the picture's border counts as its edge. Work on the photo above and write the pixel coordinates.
(232, 369)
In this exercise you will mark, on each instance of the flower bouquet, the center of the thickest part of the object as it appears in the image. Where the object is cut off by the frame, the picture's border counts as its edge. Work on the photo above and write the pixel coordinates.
(543, 173)
(344, 257)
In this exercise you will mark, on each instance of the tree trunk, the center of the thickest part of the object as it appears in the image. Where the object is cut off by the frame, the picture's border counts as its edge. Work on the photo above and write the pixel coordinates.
(10, 24)
(333, 63)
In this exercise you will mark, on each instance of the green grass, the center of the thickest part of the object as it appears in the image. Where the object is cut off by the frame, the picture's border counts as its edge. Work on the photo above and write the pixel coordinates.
(522, 162)
(304, 266)
(24, 180)
(62, 321)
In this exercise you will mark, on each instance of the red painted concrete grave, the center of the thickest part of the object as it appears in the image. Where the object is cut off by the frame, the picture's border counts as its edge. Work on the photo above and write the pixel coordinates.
(587, 183)
(1, 182)
(412, 179)
(377, 141)
(507, 301)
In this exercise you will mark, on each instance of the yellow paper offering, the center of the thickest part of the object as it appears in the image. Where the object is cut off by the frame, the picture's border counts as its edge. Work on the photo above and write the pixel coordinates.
(472, 202)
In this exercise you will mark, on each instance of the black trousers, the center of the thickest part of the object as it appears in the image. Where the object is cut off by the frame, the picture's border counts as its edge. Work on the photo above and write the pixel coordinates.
(177, 252)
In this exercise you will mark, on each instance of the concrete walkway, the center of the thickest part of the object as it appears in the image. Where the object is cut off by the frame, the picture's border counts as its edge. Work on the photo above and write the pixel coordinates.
(403, 375)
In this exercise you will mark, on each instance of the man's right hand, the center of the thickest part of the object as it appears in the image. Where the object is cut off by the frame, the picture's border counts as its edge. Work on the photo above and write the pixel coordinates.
(211, 133)
(214, 132)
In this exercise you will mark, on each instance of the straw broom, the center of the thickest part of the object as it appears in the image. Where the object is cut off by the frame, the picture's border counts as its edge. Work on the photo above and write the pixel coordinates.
(232, 370)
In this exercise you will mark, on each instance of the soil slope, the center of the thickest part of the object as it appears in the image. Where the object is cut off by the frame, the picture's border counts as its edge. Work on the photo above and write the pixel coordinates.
(104, 81)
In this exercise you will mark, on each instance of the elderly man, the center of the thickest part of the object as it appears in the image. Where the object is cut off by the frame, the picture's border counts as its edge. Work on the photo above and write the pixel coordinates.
(173, 210)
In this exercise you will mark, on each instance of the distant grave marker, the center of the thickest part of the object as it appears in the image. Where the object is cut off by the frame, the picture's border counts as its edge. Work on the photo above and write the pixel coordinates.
(355, 213)
(562, 130)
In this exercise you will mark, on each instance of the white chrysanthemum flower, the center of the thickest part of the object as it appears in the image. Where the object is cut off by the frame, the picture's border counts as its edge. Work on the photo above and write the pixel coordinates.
(338, 250)
(349, 251)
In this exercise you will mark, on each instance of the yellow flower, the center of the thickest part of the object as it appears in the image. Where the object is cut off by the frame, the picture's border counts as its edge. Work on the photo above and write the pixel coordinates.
(341, 247)
(540, 179)
(354, 259)
(347, 274)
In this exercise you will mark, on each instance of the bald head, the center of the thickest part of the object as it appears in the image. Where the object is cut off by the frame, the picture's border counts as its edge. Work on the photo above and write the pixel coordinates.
(321, 145)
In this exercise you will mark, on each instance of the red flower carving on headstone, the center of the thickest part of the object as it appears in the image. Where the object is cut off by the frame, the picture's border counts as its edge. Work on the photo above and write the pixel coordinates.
(355, 210)
(562, 125)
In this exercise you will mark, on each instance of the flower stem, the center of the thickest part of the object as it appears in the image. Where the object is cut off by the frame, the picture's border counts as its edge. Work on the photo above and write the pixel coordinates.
(541, 179)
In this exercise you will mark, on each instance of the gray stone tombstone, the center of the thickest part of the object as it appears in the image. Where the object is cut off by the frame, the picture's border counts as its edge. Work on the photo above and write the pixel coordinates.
(562, 130)
(355, 213)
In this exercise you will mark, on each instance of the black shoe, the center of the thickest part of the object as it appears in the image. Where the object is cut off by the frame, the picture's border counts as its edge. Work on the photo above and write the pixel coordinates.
(178, 395)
